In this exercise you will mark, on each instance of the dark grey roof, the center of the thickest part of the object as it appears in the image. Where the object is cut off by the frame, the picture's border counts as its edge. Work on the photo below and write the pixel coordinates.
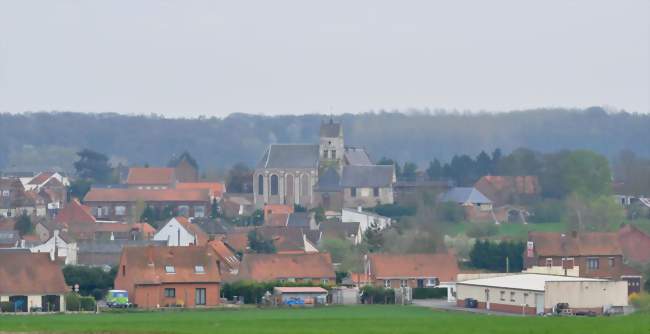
(299, 219)
(210, 226)
(357, 156)
(340, 229)
(290, 156)
(115, 246)
(9, 237)
(330, 129)
(329, 181)
(464, 195)
(367, 176)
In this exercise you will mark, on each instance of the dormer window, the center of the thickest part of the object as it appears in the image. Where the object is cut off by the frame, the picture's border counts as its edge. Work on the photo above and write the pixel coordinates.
(170, 269)
(199, 269)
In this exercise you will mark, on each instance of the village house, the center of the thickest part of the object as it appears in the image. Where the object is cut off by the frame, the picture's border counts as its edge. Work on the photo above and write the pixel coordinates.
(366, 219)
(229, 262)
(477, 207)
(327, 174)
(215, 190)
(60, 246)
(151, 178)
(170, 276)
(31, 281)
(186, 169)
(313, 268)
(412, 270)
(119, 203)
(635, 244)
(15, 200)
(539, 294)
(502, 190)
(595, 254)
(107, 253)
(179, 231)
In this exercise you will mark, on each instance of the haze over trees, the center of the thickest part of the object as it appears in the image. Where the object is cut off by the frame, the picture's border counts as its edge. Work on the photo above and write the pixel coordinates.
(45, 140)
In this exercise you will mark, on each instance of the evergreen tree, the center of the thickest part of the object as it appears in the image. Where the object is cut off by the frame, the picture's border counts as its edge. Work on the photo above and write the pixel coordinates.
(259, 244)
(214, 209)
(373, 238)
(24, 225)
(435, 170)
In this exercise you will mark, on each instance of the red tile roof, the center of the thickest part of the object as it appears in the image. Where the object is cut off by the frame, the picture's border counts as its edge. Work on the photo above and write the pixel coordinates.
(150, 176)
(40, 178)
(272, 267)
(442, 266)
(25, 273)
(147, 264)
(215, 189)
(158, 195)
(582, 244)
(76, 213)
(635, 244)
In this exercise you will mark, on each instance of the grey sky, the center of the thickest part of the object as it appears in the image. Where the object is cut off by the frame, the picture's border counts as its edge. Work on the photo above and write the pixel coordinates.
(190, 58)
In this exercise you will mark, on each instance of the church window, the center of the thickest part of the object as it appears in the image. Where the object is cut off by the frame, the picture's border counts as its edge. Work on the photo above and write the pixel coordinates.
(260, 185)
(274, 184)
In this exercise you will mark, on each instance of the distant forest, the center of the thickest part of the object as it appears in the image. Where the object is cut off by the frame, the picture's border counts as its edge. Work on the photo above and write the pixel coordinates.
(42, 140)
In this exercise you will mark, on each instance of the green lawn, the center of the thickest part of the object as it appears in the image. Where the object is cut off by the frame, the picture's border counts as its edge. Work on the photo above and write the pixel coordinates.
(511, 230)
(338, 320)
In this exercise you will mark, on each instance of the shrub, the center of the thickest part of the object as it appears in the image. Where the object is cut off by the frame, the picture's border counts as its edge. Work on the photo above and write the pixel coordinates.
(72, 302)
(429, 293)
(482, 230)
(6, 307)
(450, 212)
(394, 210)
(87, 303)
(377, 295)
(252, 291)
(547, 211)
(640, 301)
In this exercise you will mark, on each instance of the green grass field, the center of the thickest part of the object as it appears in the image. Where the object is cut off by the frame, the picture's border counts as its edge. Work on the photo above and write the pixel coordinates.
(338, 320)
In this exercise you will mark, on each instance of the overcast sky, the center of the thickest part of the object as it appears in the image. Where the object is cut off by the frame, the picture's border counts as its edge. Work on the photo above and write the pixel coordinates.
(190, 58)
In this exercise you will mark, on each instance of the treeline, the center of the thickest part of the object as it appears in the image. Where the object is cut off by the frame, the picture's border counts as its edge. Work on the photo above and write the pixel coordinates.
(45, 140)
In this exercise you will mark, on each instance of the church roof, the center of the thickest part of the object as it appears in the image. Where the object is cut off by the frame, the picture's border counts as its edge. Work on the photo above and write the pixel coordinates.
(357, 156)
(367, 176)
(290, 156)
(330, 129)
(329, 181)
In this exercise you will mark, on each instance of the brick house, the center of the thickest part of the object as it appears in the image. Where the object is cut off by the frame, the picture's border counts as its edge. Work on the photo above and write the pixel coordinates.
(502, 190)
(186, 168)
(118, 203)
(411, 270)
(596, 254)
(315, 268)
(170, 276)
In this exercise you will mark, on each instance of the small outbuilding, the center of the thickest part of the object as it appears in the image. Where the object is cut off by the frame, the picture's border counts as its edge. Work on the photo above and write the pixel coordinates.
(540, 294)
(300, 296)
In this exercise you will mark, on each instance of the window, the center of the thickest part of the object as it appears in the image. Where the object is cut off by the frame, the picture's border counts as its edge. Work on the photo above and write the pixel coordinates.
(325, 281)
(612, 262)
(199, 211)
(120, 210)
(199, 296)
(353, 192)
(403, 283)
(502, 295)
(386, 283)
(433, 282)
(291, 279)
(549, 262)
(304, 185)
(123, 270)
(5, 193)
(593, 263)
(512, 296)
(274, 184)
(375, 192)
(170, 293)
(333, 154)
(199, 269)
(184, 210)
(260, 185)
(325, 154)
(170, 269)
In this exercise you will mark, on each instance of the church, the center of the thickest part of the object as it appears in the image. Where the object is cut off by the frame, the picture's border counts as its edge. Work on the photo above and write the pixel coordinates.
(328, 174)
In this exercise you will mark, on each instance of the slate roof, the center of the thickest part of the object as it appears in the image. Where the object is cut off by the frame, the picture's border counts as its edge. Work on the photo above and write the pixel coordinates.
(271, 267)
(299, 219)
(465, 195)
(26, 273)
(367, 176)
(357, 156)
(330, 129)
(290, 156)
(329, 181)
(442, 266)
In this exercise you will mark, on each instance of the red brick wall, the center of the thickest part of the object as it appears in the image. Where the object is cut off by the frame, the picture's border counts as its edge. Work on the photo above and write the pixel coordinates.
(501, 307)
(151, 296)
(604, 270)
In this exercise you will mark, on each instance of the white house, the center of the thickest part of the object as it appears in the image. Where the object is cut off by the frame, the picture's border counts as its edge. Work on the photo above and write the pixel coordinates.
(180, 232)
(58, 246)
(364, 218)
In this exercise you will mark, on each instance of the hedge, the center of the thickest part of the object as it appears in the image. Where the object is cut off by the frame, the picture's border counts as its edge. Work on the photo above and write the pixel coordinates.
(6, 306)
(429, 293)
(252, 291)
(75, 302)
(377, 295)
